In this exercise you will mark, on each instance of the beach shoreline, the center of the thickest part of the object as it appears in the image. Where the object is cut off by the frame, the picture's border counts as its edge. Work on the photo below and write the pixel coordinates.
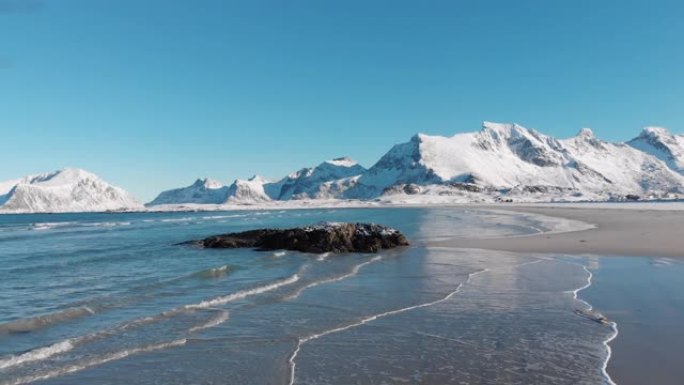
(619, 231)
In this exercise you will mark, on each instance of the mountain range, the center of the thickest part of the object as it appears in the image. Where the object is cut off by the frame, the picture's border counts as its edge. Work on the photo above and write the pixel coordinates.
(498, 162)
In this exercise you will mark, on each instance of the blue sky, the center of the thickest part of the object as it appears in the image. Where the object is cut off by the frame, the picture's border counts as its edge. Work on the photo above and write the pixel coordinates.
(152, 94)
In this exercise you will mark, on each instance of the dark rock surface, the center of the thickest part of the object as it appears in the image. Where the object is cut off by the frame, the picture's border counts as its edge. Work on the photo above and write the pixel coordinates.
(321, 238)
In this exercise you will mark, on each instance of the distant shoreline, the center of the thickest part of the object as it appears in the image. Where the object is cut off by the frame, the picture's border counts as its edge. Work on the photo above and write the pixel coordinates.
(638, 230)
(658, 205)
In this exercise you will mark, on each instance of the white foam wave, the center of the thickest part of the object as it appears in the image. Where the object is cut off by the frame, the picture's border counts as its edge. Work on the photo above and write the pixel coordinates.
(36, 354)
(301, 341)
(50, 225)
(323, 256)
(56, 225)
(279, 254)
(60, 347)
(220, 318)
(109, 224)
(613, 326)
(224, 216)
(222, 300)
(93, 362)
(355, 270)
(170, 220)
(662, 261)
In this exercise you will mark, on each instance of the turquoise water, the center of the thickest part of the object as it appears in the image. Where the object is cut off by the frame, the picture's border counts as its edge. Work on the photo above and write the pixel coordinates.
(110, 298)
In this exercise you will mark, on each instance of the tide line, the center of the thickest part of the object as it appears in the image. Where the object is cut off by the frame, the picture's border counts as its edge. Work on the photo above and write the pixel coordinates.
(301, 341)
(355, 270)
(613, 325)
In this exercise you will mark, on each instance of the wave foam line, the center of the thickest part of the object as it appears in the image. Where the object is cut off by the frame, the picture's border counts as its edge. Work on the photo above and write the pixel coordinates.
(66, 345)
(242, 294)
(50, 225)
(363, 321)
(220, 318)
(37, 354)
(38, 322)
(94, 362)
(613, 326)
(209, 304)
(355, 270)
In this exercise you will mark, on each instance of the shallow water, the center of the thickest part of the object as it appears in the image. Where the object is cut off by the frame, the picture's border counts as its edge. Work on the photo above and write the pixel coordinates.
(645, 296)
(109, 298)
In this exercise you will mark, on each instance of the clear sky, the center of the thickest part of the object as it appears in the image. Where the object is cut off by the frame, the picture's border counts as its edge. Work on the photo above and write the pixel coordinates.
(151, 94)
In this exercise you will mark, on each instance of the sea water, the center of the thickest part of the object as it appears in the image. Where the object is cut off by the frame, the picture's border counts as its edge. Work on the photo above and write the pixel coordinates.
(112, 298)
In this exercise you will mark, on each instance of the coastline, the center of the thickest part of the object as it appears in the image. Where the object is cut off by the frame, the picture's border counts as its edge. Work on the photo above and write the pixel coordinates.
(625, 231)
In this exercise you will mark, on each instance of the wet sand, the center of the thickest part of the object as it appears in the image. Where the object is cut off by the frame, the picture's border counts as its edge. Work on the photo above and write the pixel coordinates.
(628, 230)
(643, 295)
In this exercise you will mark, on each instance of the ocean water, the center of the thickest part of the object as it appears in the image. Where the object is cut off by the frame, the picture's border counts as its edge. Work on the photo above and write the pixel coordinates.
(111, 298)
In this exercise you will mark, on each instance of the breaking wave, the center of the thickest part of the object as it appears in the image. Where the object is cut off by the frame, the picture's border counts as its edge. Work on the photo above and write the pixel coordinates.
(50, 225)
(36, 354)
(40, 226)
(222, 300)
(102, 359)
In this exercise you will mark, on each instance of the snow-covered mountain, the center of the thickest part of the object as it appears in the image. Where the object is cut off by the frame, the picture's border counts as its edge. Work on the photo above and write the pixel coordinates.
(665, 146)
(511, 159)
(68, 190)
(500, 161)
(210, 192)
(327, 180)
(203, 191)
(248, 191)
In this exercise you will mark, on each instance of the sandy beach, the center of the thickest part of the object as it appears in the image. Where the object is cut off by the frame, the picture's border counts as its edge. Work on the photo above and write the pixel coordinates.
(655, 230)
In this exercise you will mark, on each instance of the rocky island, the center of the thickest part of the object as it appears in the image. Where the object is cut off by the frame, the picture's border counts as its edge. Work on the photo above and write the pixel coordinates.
(319, 238)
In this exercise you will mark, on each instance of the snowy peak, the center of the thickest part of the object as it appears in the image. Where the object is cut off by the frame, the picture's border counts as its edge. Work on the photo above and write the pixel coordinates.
(659, 132)
(208, 183)
(505, 129)
(317, 182)
(247, 191)
(203, 191)
(506, 156)
(342, 162)
(586, 133)
(660, 143)
(258, 178)
(67, 190)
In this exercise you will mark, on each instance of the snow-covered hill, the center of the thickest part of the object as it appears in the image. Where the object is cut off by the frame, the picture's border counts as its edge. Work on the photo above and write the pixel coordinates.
(498, 162)
(511, 159)
(327, 180)
(68, 190)
(203, 191)
(665, 146)
(248, 191)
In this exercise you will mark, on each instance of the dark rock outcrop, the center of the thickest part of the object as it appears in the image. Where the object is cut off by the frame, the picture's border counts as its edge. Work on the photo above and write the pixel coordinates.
(321, 238)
